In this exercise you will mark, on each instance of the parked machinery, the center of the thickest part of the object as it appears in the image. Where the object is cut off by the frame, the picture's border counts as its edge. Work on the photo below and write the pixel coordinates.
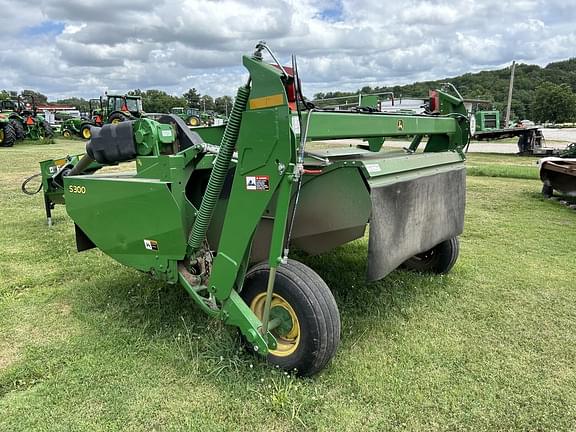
(7, 131)
(559, 173)
(33, 123)
(216, 209)
(9, 114)
(80, 126)
(191, 116)
(121, 108)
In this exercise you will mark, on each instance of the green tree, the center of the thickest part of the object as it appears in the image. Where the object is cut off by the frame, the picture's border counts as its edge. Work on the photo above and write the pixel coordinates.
(158, 101)
(39, 98)
(554, 102)
(207, 103)
(223, 104)
(192, 98)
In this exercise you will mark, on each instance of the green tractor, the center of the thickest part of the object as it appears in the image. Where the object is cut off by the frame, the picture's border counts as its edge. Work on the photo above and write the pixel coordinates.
(114, 108)
(7, 132)
(9, 109)
(80, 126)
(35, 125)
(121, 108)
(191, 116)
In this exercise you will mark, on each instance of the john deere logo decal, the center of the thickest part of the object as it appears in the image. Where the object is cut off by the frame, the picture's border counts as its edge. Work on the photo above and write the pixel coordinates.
(400, 125)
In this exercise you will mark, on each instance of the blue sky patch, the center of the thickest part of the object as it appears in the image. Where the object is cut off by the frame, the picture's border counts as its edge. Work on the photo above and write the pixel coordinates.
(45, 28)
(333, 13)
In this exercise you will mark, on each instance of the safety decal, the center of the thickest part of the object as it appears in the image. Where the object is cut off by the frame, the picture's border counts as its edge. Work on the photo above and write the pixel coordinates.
(373, 168)
(151, 245)
(258, 183)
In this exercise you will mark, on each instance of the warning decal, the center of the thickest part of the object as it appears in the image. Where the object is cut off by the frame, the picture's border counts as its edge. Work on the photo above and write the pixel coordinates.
(151, 244)
(258, 183)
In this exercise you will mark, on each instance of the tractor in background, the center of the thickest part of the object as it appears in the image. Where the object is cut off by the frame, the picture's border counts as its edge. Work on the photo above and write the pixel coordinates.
(191, 116)
(7, 132)
(121, 108)
(80, 126)
(113, 108)
(34, 124)
(24, 118)
(9, 110)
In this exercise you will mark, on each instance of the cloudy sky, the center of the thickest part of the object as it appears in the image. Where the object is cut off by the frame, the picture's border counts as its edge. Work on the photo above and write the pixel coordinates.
(83, 47)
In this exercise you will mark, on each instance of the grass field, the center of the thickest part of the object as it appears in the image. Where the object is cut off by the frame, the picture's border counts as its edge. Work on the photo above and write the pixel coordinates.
(503, 165)
(89, 345)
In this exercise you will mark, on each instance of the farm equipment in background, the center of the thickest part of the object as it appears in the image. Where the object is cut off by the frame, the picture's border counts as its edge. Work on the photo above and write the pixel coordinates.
(216, 209)
(34, 124)
(113, 108)
(81, 126)
(9, 109)
(559, 173)
(191, 116)
(7, 131)
(485, 126)
(121, 108)
(25, 119)
(194, 117)
(486, 121)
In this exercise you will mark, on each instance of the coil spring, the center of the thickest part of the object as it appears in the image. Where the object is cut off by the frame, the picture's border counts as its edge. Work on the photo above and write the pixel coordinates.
(219, 171)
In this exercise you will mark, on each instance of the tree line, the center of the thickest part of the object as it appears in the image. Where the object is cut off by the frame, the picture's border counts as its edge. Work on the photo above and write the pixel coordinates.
(152, 100)
(541, 94)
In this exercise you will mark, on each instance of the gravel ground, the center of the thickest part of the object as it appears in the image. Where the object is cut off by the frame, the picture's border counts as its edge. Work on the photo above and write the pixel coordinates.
(567, 135)
(557, 138)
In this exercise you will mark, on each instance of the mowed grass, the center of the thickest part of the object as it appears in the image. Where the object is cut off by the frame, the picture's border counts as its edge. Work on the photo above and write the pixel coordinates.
(503, 165)
(87, 344)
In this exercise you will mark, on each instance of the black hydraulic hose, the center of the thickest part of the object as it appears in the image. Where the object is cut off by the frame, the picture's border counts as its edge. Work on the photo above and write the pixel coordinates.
(80, 166)
(219, 171)
(28, 180)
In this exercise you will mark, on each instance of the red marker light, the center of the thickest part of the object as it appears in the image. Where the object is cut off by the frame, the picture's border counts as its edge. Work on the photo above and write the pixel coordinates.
(434, 101)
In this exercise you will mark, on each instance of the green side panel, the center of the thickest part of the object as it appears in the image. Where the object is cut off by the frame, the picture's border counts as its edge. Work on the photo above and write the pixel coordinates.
(264, 143)
(211, 134)
(135, 221)
(338, 125)
(369, 101)
(487, 120)
(386, 170)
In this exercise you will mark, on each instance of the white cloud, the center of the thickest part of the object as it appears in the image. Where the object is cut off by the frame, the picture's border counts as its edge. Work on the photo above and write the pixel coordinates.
(177, 44)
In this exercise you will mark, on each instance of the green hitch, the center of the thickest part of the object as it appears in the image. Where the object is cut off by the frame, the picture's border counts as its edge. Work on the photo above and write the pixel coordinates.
(219, 171)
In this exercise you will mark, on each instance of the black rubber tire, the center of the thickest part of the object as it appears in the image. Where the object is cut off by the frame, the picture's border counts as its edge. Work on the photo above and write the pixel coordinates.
(9, 135)
(48, 131)
(117, 116)
(315, 308)
(547, 191)
(439, 260)
(19, 129)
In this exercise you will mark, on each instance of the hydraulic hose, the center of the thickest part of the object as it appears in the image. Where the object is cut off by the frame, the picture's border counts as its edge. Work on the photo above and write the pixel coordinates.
(219, 171)
(81, 165)
(28, 180)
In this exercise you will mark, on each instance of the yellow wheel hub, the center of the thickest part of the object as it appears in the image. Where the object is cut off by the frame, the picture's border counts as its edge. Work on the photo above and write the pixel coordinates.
(287, 333)
(115, 121)
(86, 133)
(66, 134)
(1, 135)
(194, 121)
